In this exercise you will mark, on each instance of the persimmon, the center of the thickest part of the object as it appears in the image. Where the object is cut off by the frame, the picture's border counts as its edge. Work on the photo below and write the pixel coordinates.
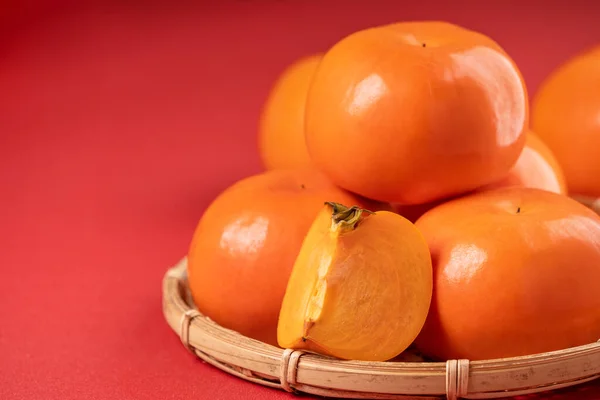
(245, 244)
(416, 111)
(536, 168)
(516, 271)
(281, 125)
(360, 288)
(565, 113)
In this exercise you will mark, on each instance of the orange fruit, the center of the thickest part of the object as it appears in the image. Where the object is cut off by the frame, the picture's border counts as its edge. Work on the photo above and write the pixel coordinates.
(565, 113)
(281, 126)
(245, 244)
(516, 271)
(536, 168)
(360, 288)
(413, 112)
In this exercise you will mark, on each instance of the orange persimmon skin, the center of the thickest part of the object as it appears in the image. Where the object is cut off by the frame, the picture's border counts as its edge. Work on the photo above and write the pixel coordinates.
(281, 127)
(565, 113)
(413, 112)
(516, 272)
(359, 293)
(536, 168)
(245, 244)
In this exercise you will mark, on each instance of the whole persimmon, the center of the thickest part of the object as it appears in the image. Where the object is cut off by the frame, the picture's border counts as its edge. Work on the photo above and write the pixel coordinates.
(360, 288)
(536, 168)
(281, 126)
(516, 271)
(245, 244)
(416, 111)
(565, 113)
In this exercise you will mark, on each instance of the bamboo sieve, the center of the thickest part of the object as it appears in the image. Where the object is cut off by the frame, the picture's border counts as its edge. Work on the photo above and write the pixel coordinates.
(299, 372)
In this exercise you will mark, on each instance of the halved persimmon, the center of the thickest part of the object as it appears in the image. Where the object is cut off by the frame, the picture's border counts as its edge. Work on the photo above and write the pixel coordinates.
(360, 288)
(245, 244)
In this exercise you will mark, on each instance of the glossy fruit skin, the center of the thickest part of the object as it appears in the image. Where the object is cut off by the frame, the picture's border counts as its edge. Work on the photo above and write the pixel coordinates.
(245, 244)
(358, 293)
(516, 271)
(412, 112)
(281, 126)
(536, 168)
(565, 113)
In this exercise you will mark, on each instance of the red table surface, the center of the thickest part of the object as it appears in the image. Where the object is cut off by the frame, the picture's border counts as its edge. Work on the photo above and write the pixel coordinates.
(120, 123)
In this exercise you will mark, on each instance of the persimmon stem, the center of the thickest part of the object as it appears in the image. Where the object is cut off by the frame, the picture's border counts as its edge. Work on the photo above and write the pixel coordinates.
(345, 217)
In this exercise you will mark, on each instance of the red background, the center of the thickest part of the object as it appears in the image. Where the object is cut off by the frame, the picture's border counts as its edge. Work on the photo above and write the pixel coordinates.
(119, 123)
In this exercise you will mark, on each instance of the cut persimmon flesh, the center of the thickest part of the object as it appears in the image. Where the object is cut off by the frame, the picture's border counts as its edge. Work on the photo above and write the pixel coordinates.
(360, 288)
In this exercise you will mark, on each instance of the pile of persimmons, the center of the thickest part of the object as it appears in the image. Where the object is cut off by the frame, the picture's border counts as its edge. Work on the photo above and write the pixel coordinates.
(413, 200)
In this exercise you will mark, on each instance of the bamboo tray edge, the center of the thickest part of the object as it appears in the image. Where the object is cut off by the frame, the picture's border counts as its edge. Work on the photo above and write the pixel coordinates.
(313, 374)
(295, 371)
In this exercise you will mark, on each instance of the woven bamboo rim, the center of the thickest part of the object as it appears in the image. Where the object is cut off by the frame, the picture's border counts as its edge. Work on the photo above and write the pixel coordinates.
(296, 371)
